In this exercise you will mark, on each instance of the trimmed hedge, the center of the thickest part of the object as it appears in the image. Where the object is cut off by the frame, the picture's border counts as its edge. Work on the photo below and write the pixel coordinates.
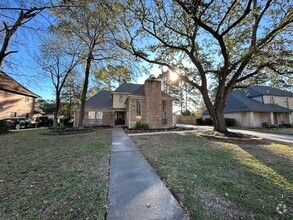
(4, 127)
(209, 121)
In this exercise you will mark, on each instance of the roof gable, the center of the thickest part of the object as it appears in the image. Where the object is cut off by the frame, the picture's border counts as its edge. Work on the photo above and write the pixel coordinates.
(9, 84)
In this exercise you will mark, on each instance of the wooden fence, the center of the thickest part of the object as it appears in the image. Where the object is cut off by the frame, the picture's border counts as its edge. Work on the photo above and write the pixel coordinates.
(187, 119)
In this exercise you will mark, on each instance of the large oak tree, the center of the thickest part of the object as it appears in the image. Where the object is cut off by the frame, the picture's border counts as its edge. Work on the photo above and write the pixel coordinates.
(211, 43)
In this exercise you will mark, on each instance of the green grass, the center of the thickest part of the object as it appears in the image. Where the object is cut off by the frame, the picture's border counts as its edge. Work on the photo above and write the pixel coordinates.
(218, 180)
(54, 177)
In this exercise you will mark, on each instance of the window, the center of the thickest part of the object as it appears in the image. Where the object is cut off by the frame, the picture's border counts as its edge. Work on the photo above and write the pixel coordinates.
(272, 100)
(164, 113)
(120, 98)
(95, 118)
(138, 107)
(26, 99)
(99, 115)
(99, 118)
(91, 116)
(287, 102)
(164, 106)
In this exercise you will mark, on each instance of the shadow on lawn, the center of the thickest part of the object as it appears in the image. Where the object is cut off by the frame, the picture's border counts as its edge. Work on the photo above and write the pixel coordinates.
(276, 161)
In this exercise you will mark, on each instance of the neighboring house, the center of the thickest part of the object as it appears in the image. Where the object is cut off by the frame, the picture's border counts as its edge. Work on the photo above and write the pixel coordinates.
(257, 105)
(15, 99)
(49, 112)
(128, 105)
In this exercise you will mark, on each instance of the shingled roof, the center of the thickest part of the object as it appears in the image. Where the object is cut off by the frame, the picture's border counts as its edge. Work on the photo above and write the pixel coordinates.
(128, 87)
(9, 84)
(102, 100)
(238, 101)
(266, 90)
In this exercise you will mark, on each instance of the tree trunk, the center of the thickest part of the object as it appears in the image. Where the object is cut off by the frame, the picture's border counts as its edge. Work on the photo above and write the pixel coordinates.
(55, 121)
(219, 121)
(216, 111)
(84, 89)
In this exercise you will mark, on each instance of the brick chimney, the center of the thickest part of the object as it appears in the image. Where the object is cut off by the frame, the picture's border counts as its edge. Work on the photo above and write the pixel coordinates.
(152, 89)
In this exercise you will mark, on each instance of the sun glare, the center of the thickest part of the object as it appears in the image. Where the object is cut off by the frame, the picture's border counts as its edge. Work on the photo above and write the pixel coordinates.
(173, 76)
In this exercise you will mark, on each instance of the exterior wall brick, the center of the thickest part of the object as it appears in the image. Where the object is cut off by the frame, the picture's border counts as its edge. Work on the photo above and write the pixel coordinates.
(153, 103)
(12, 102)
(132, 115)
(151, 107)
(169, 112)
(109, 118)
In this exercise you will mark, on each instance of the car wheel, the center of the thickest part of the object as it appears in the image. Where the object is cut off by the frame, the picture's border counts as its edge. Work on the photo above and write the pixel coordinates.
(17, 126)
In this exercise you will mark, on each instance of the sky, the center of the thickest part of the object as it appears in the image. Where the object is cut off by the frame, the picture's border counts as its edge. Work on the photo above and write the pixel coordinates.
(23, 67)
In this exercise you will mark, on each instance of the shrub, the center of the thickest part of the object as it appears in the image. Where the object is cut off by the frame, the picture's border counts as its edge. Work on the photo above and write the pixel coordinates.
(199, 121)
(138, 126)
(265, 125)
(143, 126)
(4, 127)
(208, 121)
(287, 125)
(230, 121)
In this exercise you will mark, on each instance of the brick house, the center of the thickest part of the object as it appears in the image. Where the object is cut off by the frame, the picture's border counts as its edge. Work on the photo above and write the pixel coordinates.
(257, 105)
(128, 105)
(15, 99)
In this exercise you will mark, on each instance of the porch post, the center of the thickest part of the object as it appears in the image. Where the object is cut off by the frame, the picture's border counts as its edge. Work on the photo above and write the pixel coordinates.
(252, 121)
(272, 118)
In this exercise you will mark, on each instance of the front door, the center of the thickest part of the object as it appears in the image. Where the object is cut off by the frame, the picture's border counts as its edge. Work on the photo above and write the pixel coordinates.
(120, 118)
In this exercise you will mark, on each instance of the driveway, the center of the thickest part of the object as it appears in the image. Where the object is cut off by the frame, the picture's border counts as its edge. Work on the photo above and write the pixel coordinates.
(269, 136)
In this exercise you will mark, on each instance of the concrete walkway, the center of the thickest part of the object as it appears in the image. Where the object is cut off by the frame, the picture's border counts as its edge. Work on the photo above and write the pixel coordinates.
(135, 190)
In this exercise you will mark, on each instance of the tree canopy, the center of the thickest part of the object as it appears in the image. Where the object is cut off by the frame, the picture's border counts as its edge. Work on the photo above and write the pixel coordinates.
(222, 44)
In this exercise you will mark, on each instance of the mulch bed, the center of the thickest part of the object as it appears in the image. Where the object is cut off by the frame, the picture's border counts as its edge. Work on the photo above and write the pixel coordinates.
(66, 131)
(233, 137)
(135, 131)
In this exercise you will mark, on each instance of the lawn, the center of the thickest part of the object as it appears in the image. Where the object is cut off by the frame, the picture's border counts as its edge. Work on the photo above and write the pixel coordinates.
(224, 180)
(54, 176)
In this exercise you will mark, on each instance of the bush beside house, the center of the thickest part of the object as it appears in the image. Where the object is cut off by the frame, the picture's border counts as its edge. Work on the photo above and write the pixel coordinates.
(209, 121)
(4, 127)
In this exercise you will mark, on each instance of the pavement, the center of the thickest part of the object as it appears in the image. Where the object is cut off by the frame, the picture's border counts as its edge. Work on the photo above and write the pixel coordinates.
(269, 136)
(135, 190)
